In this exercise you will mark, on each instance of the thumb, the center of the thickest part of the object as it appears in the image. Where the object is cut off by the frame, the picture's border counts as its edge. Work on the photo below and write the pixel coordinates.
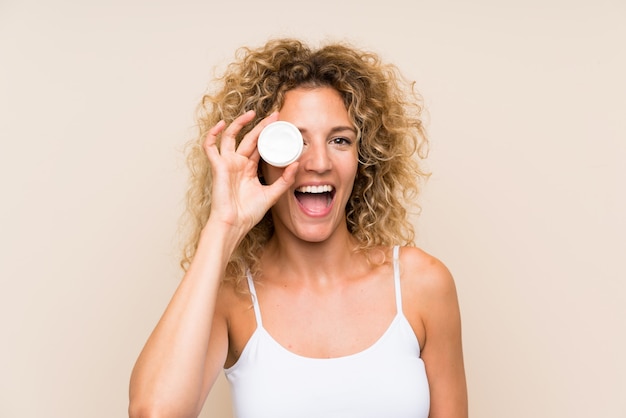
(280, 186)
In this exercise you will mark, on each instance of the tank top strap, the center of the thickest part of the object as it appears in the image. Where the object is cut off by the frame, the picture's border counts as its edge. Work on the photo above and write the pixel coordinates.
(255, 300)
(396, 278)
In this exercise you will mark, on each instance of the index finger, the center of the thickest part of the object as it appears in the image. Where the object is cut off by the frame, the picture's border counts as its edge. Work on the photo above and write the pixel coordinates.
(210, 141)
(248, 143)
(228, 141)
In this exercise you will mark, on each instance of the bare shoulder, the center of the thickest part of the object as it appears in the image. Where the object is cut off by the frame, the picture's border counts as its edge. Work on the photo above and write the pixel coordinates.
(428, 289)
(421, 270)
(222, 316)
(235, 310)
(231, 299)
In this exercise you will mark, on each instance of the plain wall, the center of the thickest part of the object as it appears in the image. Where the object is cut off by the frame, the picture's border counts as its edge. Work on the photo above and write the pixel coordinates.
(526, 113)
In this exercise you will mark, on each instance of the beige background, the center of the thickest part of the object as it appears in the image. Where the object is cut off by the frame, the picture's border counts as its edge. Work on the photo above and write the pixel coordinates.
(527, 104)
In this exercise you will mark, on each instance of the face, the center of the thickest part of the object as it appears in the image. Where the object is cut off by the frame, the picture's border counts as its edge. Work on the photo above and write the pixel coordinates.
(313, 209)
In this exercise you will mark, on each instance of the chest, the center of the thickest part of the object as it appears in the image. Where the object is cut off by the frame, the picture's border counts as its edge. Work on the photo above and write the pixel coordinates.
(328, 324)
(318, 322)
(345, 354)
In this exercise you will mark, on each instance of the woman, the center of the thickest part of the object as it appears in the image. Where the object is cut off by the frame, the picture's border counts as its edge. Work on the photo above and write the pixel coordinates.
(301, 282)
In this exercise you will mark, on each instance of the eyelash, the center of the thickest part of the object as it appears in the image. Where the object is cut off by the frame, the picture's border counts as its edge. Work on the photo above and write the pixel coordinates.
(341, 141)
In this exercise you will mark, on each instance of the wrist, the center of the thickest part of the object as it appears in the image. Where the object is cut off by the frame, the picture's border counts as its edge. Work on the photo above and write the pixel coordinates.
(222, 234)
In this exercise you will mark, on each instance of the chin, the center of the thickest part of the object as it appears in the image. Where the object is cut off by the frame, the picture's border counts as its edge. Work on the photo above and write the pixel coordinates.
(313, 238)
(315, 235)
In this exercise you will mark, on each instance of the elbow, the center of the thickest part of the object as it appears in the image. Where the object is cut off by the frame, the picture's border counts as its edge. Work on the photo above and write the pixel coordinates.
(160, 401)
(148, 409)
(136, 411)
(143, 410)
(144, 403)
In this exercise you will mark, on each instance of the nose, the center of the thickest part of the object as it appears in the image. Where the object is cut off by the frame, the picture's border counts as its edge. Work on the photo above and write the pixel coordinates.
(315, 157)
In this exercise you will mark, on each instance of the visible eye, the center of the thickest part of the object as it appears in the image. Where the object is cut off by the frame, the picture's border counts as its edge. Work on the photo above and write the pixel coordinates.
(340, 140)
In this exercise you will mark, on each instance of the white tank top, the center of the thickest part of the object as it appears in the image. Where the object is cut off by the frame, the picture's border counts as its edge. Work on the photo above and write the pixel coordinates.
(388, 379)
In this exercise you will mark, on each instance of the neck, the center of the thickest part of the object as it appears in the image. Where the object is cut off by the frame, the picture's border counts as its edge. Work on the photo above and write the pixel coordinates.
(315, 263)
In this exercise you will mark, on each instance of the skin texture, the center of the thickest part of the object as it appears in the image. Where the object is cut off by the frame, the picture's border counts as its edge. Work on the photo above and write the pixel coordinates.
(329, 158)
(309, 265)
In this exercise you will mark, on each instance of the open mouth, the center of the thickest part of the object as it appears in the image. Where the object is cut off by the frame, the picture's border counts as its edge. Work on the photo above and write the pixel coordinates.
(315, 199)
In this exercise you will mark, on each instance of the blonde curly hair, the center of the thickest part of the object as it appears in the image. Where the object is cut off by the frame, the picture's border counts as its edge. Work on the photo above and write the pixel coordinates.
(385, 109)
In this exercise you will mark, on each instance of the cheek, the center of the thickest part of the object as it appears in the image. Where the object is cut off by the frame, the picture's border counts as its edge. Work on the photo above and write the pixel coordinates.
(353, 171)
(356, 168)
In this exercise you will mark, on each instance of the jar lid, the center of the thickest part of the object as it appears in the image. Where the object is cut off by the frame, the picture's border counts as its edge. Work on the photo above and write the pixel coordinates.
(280, 143)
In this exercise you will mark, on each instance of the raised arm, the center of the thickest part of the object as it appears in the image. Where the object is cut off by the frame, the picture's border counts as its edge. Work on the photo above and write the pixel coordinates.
(188, 347)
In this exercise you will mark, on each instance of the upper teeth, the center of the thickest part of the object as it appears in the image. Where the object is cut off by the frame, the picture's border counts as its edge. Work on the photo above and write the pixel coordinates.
(315, 189)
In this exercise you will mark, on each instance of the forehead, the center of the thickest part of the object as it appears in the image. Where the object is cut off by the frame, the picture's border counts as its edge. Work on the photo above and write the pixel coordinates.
(314, 105)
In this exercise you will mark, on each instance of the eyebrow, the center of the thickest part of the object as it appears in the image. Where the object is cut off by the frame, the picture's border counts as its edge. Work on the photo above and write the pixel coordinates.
(335, 129)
